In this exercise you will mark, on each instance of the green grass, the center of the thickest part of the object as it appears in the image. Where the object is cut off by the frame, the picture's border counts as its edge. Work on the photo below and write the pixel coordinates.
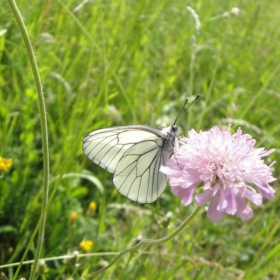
(236, 71)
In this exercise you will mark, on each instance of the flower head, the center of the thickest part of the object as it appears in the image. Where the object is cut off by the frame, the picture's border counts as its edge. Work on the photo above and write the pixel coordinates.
(235, 11)
(92, 206)
(86, 245)
(5, 163)
(73, 216)
(226, 165)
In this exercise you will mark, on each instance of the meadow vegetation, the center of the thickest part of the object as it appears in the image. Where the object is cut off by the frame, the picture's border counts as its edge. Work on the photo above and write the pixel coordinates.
(232, 62)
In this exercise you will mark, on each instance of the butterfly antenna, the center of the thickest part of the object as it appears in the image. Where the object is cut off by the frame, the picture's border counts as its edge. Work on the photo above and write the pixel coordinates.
(184, 108)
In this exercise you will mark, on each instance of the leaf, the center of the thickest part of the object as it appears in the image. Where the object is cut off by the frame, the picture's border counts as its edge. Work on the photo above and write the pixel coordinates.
(84, 175)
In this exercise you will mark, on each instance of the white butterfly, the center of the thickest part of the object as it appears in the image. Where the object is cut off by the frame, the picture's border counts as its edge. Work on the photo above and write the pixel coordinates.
(134, 155)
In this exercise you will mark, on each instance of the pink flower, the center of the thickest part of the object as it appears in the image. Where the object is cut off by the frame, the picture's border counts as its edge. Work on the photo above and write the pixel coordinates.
(226, 166)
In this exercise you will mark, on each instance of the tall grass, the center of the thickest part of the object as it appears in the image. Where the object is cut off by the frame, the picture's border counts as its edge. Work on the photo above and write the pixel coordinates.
(235, 70)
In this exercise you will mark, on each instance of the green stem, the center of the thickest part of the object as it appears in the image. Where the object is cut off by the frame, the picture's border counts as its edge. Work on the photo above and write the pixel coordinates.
(149, 242)
(44, 129)
(46, 203)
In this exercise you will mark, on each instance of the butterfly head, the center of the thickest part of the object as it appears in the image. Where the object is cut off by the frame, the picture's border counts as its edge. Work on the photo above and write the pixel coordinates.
(174, 129)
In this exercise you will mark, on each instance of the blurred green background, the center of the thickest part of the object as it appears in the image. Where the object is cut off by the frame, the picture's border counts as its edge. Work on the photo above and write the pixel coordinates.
(233, 63)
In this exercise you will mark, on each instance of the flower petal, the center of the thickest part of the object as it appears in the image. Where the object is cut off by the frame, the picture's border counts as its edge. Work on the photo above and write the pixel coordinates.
(213, 213)
(253, 196)
(202, 198)
(231, 204)
(244, 211)
(185, 193)
(266, 190)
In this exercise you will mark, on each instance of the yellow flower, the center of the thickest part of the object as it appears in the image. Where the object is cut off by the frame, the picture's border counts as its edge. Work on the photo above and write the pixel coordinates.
(86, 245)
(73, 216)
(5, 163)
(10, 250)
(92, 206)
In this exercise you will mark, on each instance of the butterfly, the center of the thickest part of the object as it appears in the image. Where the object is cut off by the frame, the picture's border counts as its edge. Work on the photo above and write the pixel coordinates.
(134, 155)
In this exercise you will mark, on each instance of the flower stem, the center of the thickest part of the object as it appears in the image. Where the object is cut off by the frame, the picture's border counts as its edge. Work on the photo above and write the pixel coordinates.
(149, 242)
(44, 129)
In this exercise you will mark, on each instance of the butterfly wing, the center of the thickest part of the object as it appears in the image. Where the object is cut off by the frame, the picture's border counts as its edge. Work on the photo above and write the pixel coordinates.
(137, 175)
(134, 155)
(106, 147)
